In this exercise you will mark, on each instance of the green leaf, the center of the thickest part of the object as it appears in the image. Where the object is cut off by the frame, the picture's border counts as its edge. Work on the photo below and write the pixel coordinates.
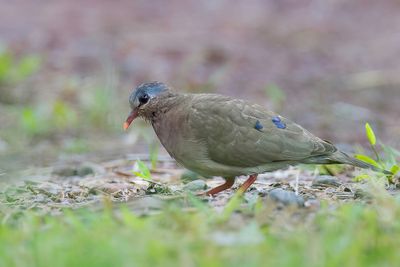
(62, 115)
(27, 66)
(6, 61)
(394, 169)
(367, 160)
(144, 171)
(29, 121)
(370, 134)
(361, 177)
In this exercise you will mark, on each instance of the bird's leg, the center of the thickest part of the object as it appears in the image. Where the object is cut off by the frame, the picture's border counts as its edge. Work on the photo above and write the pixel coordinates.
(252, 178)
(228, 184)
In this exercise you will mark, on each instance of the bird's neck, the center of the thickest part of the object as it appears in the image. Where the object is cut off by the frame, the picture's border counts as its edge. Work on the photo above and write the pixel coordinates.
(165, 103)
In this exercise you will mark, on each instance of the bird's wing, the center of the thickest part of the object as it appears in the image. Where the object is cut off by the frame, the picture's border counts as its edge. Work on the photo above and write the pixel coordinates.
(237, 133)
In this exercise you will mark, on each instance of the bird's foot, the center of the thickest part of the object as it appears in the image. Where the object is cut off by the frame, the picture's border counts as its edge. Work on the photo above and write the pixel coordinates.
(252, 178)
(228, 184)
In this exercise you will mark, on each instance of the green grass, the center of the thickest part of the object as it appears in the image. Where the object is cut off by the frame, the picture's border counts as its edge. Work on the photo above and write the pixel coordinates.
(13, 69)
(353, 234)
(75, 109)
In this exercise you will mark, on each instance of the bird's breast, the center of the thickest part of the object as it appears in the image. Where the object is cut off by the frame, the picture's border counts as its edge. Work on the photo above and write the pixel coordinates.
(172, 134)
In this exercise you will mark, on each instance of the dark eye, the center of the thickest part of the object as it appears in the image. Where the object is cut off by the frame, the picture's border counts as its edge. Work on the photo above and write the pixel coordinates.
(143, 99)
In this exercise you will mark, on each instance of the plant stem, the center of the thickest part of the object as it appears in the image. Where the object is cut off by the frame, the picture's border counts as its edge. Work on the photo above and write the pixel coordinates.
(378, 159)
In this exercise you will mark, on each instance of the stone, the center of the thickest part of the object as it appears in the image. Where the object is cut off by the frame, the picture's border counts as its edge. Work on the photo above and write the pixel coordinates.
(326, 181)
(84, 170)
(64, 171)
(195, 185)
(285, 197)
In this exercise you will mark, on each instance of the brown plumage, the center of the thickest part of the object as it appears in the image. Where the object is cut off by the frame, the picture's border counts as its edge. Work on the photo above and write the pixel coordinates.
(215, 135)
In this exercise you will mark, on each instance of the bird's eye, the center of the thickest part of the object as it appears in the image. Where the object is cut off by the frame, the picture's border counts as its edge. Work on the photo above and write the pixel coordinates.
(143, 99)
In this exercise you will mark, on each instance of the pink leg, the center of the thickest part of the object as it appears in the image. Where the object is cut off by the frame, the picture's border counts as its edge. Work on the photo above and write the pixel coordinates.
(252, 178)
(228, 184)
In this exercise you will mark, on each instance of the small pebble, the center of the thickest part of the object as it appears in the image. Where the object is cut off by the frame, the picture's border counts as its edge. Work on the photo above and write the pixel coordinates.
(113, 188)
(69, 171)
(326, 181)
(362, 193)
(285, 197)
(84, 170)
(195, 185)
(64, 171)
(189, 176)
(313, 204)
(40, 199)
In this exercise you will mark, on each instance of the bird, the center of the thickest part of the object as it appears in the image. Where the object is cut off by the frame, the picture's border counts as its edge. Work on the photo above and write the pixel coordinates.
(216, 135)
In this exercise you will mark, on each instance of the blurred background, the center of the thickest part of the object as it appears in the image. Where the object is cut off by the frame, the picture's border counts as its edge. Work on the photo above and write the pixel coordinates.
(67, 68)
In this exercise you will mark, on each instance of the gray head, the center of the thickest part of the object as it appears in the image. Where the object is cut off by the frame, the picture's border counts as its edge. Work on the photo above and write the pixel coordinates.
(142, 96)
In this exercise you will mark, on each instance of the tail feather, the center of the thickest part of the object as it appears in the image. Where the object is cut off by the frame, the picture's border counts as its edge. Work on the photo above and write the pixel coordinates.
(342, 158)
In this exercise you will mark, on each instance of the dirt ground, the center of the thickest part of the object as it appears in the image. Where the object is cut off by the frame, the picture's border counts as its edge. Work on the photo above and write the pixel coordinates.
(85, 184)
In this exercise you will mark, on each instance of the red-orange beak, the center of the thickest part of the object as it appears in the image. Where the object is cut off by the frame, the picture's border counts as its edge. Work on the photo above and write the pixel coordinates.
(131, 117)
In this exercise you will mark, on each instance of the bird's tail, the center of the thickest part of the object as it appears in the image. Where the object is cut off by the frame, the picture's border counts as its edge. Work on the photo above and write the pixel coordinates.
(340, 157)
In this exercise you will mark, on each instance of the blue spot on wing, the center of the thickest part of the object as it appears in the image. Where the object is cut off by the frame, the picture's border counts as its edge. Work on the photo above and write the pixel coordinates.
(258, 125)
(276, 119)
(280, 125)
(278, 122)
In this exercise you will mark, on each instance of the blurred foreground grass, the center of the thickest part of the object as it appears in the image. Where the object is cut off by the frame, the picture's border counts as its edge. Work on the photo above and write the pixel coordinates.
(352, 234)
